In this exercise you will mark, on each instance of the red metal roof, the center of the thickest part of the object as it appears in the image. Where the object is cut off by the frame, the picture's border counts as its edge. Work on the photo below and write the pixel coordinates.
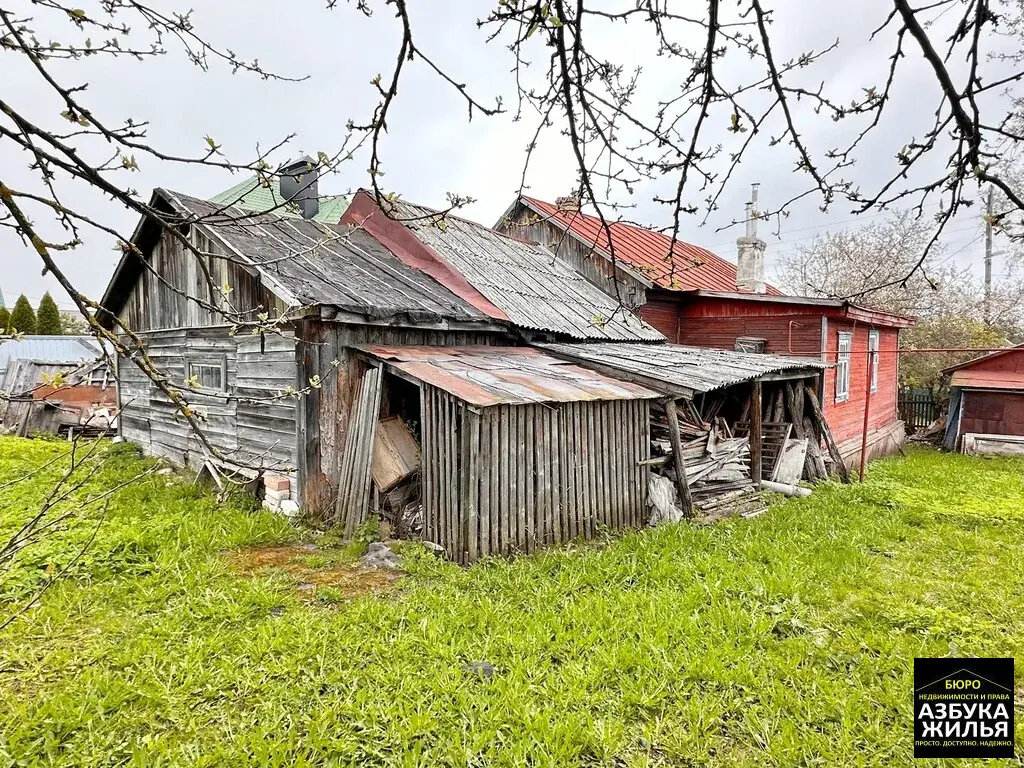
(690, 267)
(971, 379)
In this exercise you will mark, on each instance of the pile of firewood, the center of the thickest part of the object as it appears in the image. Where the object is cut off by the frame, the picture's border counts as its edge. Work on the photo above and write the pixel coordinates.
(716, 463)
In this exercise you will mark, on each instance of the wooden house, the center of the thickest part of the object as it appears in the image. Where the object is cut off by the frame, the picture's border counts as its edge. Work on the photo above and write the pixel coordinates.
(301, 396)
(696, 298)
(412, 354)
(986, 404)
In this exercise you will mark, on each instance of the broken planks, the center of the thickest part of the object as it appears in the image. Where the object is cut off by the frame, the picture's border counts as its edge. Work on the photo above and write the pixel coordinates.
(352, 506)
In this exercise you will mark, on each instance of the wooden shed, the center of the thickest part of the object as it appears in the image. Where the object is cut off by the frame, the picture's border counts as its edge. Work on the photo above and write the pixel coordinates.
(986, 406)
(520, 450)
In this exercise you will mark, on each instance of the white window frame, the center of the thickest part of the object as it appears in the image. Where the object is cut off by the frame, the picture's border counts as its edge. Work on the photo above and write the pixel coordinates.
(873, 358)
(844, 347)
(219, 363)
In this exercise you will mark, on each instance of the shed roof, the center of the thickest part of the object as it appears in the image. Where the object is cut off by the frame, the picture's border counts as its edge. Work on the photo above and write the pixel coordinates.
(51, 349)
(306, 262)
(486, 376)
(646, 250)
(254, 195)
(972, 379)
(530, 287)
(681, 370)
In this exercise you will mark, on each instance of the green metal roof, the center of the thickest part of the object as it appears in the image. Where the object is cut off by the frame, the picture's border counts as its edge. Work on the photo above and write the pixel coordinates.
(252, 195)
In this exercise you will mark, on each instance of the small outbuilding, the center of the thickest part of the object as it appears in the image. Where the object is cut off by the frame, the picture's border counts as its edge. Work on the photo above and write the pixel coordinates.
(986, 404)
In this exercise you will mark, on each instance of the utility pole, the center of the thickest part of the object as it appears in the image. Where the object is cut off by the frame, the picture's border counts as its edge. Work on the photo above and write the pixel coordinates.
(988, 258)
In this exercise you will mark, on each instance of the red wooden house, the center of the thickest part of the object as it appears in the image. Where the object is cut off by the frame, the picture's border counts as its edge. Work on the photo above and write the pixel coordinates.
(697, 298)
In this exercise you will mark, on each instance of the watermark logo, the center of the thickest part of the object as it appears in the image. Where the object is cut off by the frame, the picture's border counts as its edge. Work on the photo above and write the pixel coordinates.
(963, 707)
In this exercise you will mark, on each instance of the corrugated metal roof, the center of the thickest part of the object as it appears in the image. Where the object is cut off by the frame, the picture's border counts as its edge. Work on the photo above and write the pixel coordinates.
(49, 349)
(677, 369)
(487, 376)
(329, 264)
(969, 378)
(251, 195)
(690, 266)
(525, 281)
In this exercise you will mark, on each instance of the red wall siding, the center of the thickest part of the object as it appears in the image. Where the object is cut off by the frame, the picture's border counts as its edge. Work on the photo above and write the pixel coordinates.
(662, 315)
(788, 335)
(847, 419)
(1011, 362)
(993, 413)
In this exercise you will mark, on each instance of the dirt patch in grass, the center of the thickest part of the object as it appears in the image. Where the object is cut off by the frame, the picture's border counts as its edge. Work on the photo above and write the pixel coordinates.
(319, 575)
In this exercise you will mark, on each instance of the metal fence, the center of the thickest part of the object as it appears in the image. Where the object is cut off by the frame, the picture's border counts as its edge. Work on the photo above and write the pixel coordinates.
(917, 408)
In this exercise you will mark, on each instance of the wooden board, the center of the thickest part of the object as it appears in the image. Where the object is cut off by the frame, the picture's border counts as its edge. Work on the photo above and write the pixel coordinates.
(396, 455)
(790, 464)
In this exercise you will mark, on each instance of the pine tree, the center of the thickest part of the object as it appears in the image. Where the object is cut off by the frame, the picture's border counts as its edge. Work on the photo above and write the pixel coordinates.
(23, 318)
(48, 317)
(5, 319)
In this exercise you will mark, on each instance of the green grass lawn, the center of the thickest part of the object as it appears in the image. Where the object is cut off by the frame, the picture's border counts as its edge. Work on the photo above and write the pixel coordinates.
(181, 638)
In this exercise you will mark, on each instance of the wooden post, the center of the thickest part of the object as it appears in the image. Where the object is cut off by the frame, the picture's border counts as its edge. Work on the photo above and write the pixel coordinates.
(867, 412)
(796, 417)
(755, 432)
(682, 485)
(830, 441)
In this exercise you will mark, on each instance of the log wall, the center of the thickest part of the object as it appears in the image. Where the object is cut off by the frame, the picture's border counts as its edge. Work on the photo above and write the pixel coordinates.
(248, 420)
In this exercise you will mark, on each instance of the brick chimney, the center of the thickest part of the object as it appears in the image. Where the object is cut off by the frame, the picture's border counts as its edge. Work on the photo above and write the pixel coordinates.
(750, 252)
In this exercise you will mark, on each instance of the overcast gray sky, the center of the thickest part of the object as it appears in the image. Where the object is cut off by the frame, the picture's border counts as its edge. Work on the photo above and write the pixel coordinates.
(431, 148)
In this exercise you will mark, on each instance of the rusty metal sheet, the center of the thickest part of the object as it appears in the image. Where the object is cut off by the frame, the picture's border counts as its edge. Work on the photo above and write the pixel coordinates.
(487, 376)
(975, 379)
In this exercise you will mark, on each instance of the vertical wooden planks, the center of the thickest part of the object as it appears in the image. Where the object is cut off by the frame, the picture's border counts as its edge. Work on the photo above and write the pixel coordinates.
(557, 476)
(755, 431)
(354, 482)
(591, 462)
(645, 453)
(448, 486)
(682, 485)
(530, 495)
(426, 444)
(496, 491)
(482, 488)
(570, 421)
(506, 502)
(521, 478)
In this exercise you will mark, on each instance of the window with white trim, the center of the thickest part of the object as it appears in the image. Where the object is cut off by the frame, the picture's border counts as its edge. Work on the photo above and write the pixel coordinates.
(210, 375)
(843, 367)
(873, 358)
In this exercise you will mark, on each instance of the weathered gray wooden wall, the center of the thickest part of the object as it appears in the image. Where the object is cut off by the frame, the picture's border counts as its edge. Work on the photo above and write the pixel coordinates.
(247, 421)
(153, 302)
(515, 478)
(525, 224)
(323, 415)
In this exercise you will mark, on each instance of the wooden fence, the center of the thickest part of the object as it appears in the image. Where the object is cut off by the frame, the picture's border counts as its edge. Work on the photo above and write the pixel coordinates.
(514, 478)
(917, 408)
